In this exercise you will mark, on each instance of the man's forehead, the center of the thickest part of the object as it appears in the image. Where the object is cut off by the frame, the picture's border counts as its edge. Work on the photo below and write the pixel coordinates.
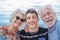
(45, 11)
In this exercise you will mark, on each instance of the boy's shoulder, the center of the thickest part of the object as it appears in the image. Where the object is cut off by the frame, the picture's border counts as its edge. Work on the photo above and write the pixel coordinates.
(43, 30)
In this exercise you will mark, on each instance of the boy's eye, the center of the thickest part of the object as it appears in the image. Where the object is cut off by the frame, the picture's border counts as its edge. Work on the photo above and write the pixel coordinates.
(33, 17)
(28, 17)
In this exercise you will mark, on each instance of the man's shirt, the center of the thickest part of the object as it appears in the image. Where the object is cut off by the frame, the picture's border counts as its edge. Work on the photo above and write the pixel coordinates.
(55, 33)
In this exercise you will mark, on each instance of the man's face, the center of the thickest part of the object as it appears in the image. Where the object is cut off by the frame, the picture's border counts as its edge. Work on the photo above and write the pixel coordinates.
(32, 20)
(48, 17)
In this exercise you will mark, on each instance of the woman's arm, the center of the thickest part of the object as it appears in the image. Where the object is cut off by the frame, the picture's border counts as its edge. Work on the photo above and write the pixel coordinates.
(3, 30)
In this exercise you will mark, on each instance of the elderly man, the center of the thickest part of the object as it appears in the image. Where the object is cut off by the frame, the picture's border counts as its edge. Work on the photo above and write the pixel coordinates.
(49, 18)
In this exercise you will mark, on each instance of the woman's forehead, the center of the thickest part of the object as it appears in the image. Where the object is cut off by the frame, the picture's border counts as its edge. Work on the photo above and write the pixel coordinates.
(20, 15)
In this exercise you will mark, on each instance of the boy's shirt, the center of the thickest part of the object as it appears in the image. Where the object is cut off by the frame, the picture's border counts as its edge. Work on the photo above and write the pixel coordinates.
(42, 34)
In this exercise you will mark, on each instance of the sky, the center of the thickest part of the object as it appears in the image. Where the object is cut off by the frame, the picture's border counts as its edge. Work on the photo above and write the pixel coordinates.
(8, 6)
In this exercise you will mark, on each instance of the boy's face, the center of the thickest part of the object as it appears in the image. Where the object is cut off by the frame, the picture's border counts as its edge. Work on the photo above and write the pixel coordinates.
(32, 20)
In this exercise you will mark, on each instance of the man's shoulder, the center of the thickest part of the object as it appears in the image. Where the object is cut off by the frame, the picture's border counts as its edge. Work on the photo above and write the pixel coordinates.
(57, 24)
(58, 28)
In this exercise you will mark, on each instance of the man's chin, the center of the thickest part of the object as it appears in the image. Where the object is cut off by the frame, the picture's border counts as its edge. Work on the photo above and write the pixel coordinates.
(50, 25)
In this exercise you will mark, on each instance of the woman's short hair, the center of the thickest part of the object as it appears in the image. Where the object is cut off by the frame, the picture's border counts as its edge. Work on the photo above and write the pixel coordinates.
(15, 12)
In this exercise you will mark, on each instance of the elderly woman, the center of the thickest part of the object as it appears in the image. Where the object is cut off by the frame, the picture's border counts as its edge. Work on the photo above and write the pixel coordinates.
(10, 32)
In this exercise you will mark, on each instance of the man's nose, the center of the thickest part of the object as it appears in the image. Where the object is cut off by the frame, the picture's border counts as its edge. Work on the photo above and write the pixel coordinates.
(47, 16)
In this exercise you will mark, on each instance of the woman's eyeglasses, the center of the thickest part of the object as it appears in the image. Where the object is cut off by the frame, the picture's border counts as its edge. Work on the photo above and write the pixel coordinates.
(18, 18)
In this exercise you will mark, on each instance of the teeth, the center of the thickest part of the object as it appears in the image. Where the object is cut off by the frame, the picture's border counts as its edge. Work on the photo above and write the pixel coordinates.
(50, 19)
(32, 23)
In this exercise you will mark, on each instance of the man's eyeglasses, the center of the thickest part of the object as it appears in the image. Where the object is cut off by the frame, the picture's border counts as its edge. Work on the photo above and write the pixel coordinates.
(18, 18)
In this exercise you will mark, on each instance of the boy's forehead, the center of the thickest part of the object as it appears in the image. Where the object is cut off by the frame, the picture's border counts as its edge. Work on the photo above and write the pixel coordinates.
(31, 14)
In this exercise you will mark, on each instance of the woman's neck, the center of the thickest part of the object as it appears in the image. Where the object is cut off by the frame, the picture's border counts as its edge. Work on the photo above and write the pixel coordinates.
(11, 29)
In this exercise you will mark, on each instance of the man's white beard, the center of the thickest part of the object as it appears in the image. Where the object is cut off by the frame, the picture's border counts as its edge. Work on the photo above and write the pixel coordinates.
(51, 24)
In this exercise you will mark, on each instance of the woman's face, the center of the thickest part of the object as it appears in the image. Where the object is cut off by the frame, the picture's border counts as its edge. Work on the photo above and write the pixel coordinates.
(18, 19)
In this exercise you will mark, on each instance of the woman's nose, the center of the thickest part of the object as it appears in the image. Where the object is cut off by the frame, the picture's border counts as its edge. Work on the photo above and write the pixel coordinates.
(18, 21)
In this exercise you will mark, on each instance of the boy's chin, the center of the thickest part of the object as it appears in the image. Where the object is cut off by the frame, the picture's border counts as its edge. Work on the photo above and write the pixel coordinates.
(32, 27)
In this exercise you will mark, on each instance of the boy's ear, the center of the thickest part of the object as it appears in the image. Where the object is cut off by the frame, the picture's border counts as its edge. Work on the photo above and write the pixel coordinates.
(38, 19)
(25, 19)
(26, 29)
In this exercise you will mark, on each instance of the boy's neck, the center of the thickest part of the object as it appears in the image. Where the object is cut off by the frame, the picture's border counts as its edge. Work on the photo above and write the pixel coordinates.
(33, 29)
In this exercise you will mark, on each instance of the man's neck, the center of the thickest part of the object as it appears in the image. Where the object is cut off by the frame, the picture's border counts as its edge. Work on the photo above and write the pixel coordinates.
(51, 28)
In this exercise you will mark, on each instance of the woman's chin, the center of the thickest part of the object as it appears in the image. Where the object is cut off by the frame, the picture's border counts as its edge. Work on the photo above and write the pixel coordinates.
(16, 25)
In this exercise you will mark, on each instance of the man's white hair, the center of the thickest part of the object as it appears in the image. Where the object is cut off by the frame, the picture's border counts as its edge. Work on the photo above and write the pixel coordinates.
(15, 12)
(48, 7)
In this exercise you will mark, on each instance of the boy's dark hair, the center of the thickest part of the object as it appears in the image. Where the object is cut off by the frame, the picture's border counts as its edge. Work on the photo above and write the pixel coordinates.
(32, 11)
